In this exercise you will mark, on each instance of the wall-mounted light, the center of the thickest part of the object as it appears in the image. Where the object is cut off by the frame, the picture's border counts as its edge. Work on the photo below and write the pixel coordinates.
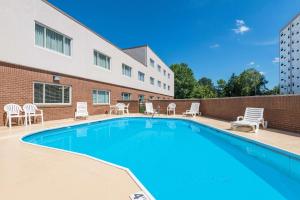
(56, 78)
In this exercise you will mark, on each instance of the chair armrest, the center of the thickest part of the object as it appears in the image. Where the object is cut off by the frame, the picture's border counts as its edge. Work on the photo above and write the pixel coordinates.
(239, 118)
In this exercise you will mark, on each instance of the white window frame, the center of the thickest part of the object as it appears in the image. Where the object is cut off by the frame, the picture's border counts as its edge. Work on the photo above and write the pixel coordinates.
(122, 95)
(97, 100)
(107, 57)
(124, 66)
(141, 73)
(44, 96)
(51, 50)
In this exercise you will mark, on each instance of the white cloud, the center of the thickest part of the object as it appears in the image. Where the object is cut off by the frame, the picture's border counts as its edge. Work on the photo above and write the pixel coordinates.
(241, 27)
(262, 73)
(252, 64)
(275, 60)
(214, 46)
(267, 42)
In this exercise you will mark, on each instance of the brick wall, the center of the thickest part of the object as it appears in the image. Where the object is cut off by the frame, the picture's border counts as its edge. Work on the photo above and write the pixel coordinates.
(281, 112)
(16, 86)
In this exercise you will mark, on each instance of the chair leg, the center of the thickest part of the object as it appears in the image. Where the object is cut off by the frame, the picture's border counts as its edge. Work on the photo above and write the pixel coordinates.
(9, 121)
(42, 118)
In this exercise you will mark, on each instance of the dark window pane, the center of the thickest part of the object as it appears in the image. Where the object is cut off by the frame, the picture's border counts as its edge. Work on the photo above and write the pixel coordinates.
(38, 92)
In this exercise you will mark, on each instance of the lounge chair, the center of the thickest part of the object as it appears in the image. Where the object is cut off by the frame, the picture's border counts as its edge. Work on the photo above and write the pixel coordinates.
(149, 109)
(13, 111)
(253, 117)
(194, 110)
(81, 110)
(31, 110)
(171, 108)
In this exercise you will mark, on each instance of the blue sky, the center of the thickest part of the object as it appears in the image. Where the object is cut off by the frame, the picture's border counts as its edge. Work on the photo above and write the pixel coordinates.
(215, 37)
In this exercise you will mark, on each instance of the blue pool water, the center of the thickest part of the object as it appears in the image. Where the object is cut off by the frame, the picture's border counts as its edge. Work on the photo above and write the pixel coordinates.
(181, 159)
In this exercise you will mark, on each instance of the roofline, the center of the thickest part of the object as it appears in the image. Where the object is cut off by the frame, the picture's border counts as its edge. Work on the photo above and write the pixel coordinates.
(290, 21)
(147, 46)
(89, 29)
(135, 47)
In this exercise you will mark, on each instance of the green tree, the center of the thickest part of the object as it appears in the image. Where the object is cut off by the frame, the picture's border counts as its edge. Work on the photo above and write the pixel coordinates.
(184, 80)
(251, 82)
(273, 91)
(232, 89)
(221, 83)
(203, 91)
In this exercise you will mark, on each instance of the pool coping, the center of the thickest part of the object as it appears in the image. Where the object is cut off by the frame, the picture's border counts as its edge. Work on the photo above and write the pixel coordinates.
(127, 170)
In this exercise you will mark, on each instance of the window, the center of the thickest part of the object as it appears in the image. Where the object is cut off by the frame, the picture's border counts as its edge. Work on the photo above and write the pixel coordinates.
(101, 60)
(169, 87)
(165, 72)
(126, 96)
(126, 70)
(141, 76)
(159, 83)
(165, 86)
(152, 63)
(169, 75)
(101, 97)
(151, 80)
(141, 98)
(46, 38)
(151, 97)
(45, 93)
(158, 68)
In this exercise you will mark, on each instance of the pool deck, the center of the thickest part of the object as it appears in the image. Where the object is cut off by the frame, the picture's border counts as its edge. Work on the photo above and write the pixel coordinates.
(33, 172)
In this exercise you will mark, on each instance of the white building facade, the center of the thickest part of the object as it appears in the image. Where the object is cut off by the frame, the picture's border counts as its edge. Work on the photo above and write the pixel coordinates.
(50, 59)
(290, 57)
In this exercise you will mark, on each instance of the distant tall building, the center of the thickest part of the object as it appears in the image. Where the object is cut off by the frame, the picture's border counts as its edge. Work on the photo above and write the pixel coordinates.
(290, 57)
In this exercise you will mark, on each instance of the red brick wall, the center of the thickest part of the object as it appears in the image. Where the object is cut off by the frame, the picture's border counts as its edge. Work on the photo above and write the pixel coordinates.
(16, 86)
(281, 112)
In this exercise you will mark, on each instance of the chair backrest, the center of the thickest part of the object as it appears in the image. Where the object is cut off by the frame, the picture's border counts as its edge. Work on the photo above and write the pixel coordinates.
(195, 107)
(12, 109)
(171, 106)
(253, 114)
(29, 108)
(120, 106)
(149, 107)
(81, 107)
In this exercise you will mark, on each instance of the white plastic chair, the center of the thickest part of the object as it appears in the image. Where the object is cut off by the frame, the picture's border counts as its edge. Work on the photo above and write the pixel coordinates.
(253, 117)
(126, 108)
(194, 110)
(81, 110)
(120, 108)
(13, 111)
(149, 109)
(171, 108)
(31, 110)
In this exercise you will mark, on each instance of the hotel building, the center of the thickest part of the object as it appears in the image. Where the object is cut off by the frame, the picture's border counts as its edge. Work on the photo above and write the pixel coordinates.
(52, 60)
(290, 57)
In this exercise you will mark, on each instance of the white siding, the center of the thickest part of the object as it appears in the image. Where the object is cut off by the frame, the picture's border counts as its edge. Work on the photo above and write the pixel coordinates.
(17, 21)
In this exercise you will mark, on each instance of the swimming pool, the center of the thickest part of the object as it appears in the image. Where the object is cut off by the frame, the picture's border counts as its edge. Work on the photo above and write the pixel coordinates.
(181, 159)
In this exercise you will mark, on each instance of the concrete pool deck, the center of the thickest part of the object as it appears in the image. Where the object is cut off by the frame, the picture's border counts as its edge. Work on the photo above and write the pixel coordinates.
(33, 172)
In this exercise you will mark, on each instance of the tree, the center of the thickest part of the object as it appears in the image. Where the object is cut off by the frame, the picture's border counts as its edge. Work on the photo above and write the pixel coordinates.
(273, 91)
(251, 82)
(184, 80)
(221, 83)
(231, 89)
(203, 91)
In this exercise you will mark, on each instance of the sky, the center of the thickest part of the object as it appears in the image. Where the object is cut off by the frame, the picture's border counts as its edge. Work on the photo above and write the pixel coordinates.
(214, 37)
